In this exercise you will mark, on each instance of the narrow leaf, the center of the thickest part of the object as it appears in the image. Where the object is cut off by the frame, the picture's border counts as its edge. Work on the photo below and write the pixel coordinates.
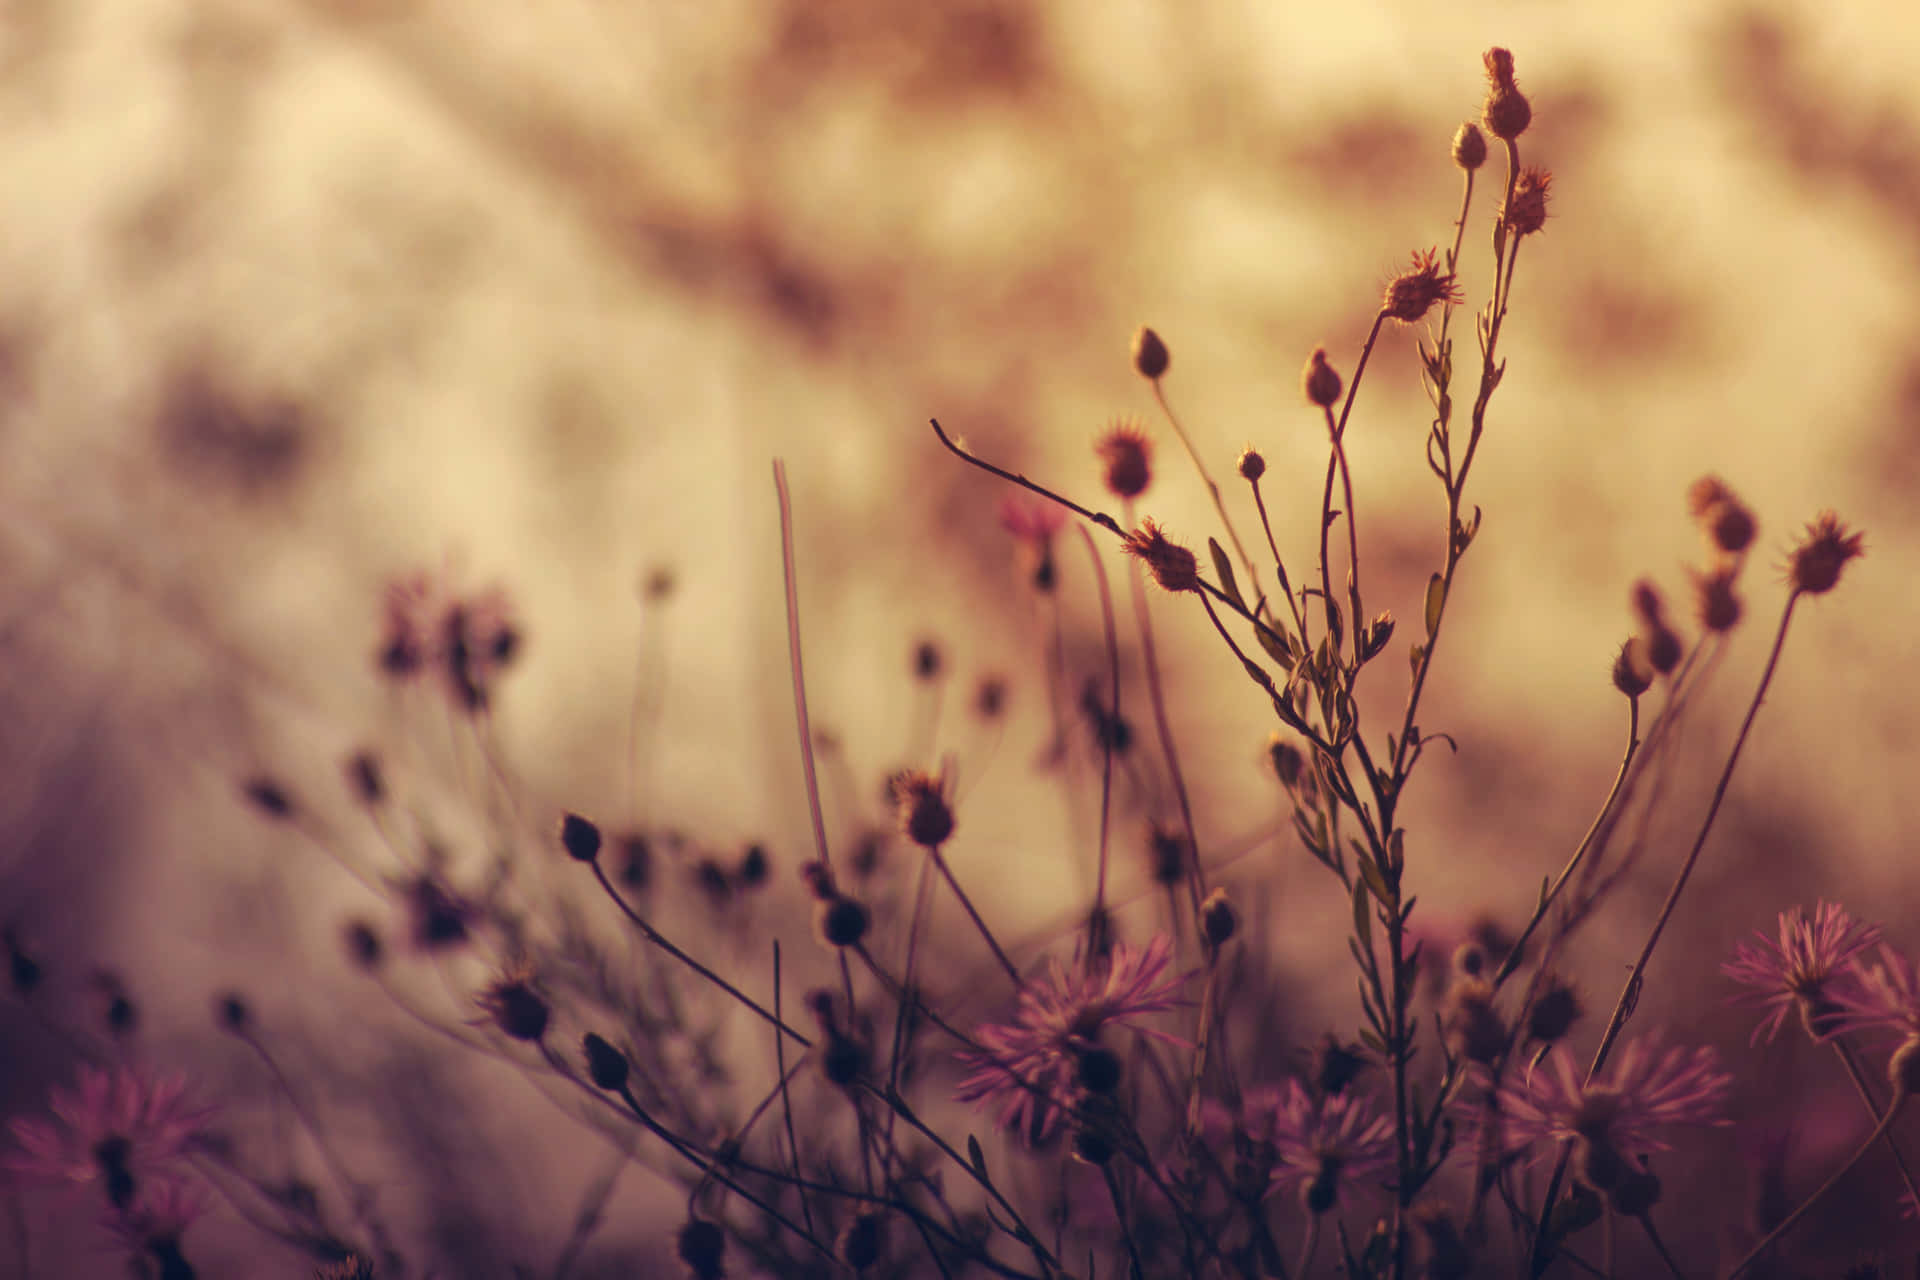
(1362, 915)
(1224, 568)
(1436, 601)
(976, 1157)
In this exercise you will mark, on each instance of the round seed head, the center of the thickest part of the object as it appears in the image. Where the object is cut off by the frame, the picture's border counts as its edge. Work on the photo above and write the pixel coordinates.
(842, 922)
(1150, 358)
(1320, 382)
(1251, 466)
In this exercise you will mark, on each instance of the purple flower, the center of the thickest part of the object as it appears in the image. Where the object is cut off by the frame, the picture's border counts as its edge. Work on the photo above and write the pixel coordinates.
(1796, 971)
(1032, 1067)
(121, 1127)
(1620, 1115)
(152, 1225)
(1880, 997)
(1320, 1145)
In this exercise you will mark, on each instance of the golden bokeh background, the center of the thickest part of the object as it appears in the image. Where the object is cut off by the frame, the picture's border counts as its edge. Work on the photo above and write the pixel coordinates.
(302, 294)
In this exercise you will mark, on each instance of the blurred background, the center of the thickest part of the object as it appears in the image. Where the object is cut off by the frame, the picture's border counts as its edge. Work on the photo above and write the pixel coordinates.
(301, 295)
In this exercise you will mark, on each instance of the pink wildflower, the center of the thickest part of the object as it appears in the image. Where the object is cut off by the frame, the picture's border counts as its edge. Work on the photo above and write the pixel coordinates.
(1880, 997)
(1796, 971)
(152, 1225)
(1320, 1145)
(122, 1127)
(1617, 1117)
(1033, 523)
(469, 639)
(1036, 1065)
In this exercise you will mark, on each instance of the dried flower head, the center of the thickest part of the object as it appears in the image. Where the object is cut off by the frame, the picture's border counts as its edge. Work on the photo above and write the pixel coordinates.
(516, 1006)
(1526, 210)
(1719, 606)
(1507, 112)
(1475, 1029)
(469, 639)
(1664, 649)
(1823, 551)
(1150, 358)
(1417, 290)
(1469, 146)
(921, 799)
(841, 921)
(1251, 465)
(1555, 1011)
(1729, 525)
(1126, 459)
(1218, 919)
(1320, 381)
(1168, 853)
(702, 1246)
(1173, 566)
(1799, 970)
(1632, 669)
(122, 1128)
(1027, 1068)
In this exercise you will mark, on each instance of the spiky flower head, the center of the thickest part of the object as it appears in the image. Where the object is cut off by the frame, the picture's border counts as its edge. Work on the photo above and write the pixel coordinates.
(1823, 551)
(1526, 210)
(1719, 607)
(1173, 566)
(1622, 1114)
(921, 799)
(1028, 1069)
(1632, 671)
(514, 1004)
(1879, 996)
(1126, 459)
(1507, 112)
(1798, 970)
(1728, 523)
(1322, 1143)
(1418, 289)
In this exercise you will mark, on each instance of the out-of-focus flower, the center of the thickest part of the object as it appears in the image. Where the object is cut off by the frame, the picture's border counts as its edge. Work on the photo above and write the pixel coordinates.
(1883, 996)
(1796, 971)
(1321, 1145)
(467, 639)
(1620, 1115)
(153, 1224)
(122, 1127)
(1029, 1068)
(1822, 552)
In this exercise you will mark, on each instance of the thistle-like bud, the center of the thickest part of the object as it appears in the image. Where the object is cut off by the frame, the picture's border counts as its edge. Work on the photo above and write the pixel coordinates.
(516, 1008)
(1507, 112)
(1218, 920)
(925, 815)
(1719, 606)
(844, 1060)
(1150, 358)
(842, 922)
(1335, 1066)
(1664, 649)
(1126, 458)
(1168, 852)
(1475, 1029)
(1418, 289)
(1632, 671)
(1320, 381)
(1729, 525)
(863, 1242)
(1815, 564)
(1555, 1012)
(1526, 210)
(1173, 566)
(1252, 466)
(1469, 146)
(606, 1065)
(580, 838)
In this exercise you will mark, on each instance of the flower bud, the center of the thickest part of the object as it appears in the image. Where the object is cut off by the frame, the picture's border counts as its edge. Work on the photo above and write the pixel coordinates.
(1252, 465)
(842, 922)
(1555, 1012)
(703, 1247)
(1632, 671)
(1815, 564)
(863, 1242)
(1719, 606)
(1173, 566)
(925, 815)
(1418, 289)
(1218, 920)
(1469, 146)
(1320, 382)
(1507, 112)
(606, 1065)
(1126, 456)
(1150, 358)
(580, 838)
(1526, 210)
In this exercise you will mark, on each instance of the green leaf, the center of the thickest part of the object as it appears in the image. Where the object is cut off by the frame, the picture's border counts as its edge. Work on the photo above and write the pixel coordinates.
(1362, 915)
(1436, 601)
(1224, 568)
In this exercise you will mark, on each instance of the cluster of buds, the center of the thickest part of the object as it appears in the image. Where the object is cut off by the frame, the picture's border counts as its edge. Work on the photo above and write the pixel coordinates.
(838, 920)
(468, 639)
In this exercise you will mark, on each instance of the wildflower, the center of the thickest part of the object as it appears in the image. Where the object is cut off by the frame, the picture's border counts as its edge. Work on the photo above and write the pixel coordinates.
(1814, 566)
(1475, 1029)
(1619, 1117)
(1469, 146)
(439, 916)
(755, 866)
(1797, 971)
(1727, 521)
(1719, 606)
(153, 1224)
(1335, 1065)
(1173, 566)
(1150, 358)
(1507, 112)
(1320, 382)
(1883, 996)
(1127, 455)
(1632, 671)
(1415, 291)
(1027, 1068)
(516, 1005)
(926, 660)
(925, 815)
(1526, 210)
(1321, 1144)
(840, 921)
(122, 1127)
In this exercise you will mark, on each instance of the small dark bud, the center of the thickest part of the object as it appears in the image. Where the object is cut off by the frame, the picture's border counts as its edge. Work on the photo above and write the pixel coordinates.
(1092, 1148)
(1321, 384)
(1323, 1192)
(842, 921)
(1526, 210)
(1174, 567)
(1288, 762)
(1150, 358)
(1167, 849)
(818, 878)
(1507, 112)
(1632, 671)
(1126, 457)
(927, 662)
(517, 1009)
(1252, 466)
(754, 867)
(365, 777)
(1664, 649)
(606, 1065)
(1824, 550)
(844, 1060)
(925, 816)
(703, 1247)
(713, 880)
(1218, 920)
(863, 1241)
(363, 945)
(1335, 1066)
(1475, 1029)
(231, 1012)
(1469, 146)
(991, 699)
(1647, 605)
(636, 862)
(1555, 1012)
(580, 838)
(1719, 606)
(269, 797)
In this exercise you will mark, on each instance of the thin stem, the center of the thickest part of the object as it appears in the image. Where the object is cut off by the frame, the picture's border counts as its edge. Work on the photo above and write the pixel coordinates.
(1113, 1191)
(1279, 565)
(1660, 1247)
(1100, 518)
(1106, 739)
(795, 664)
(978, 923)
(1309, 1246)
(1337, 429)
(1196, 883)
(1873, 1109)
(1630, 993)
(786, 1099)
(1213, 490)
(659, 940)
(1787, 1224)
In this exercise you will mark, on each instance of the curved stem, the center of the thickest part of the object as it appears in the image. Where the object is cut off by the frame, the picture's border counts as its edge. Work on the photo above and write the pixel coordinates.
(798, 670)
(1879, 1131)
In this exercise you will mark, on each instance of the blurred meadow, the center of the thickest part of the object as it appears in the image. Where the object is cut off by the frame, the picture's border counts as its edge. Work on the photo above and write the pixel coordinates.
(302, 295)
